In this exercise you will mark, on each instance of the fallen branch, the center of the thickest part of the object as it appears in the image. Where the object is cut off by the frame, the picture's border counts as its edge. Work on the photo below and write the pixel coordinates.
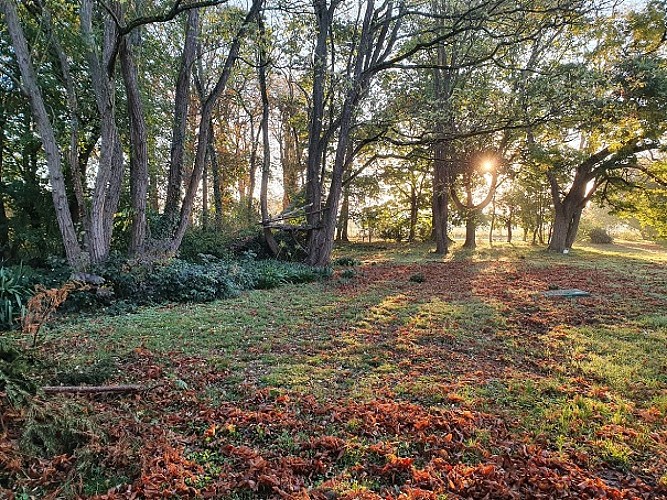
(90, 389)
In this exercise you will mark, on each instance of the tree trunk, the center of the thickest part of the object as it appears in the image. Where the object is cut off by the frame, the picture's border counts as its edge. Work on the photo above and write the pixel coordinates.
(493, 220)
(202, 136)
(565, 228)
(508, 225)
(344, 218)
(106, 193)
(4, 223)
(290, 163)
(568, 209)
(138, 150)
(471, 225)
(252, 170)
(78, 209)
(441, 174)
(320, 243)
(266, 146)
(75, 257)
(181, 103)
(315, 141)
(442, 151)
(414, 213)
(217, 178)
(558, 242)
(204, 193)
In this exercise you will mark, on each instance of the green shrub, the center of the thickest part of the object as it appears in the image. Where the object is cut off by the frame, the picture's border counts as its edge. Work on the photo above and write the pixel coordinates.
(182, 281)
(599, 236)
(52, 430)
(346, 261)
(417, 278)
(14, 294)
(198, 241)
(16, 380)
(348, 274)
(273, 273)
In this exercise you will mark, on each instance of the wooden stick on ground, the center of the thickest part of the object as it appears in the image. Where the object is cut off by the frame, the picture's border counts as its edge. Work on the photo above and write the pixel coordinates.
(90, 389)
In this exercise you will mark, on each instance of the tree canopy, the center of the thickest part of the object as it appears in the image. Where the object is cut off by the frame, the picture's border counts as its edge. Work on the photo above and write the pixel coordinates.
(141, 120)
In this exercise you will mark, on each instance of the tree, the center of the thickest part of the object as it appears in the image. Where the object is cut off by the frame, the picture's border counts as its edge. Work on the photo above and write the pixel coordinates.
(635, 98)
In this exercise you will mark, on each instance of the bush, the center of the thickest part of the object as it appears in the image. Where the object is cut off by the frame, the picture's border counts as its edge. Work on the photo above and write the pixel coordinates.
(16, 380)
(14, 294)
(346, 262)
(600, 236)
(129, 284)
(348, 274)
(182, 281)
(273, 273)
(417, 278)
(57, 429)
(198, 241)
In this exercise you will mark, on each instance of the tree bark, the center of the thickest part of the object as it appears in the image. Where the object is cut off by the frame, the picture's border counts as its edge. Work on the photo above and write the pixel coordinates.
(316, 143)
(344, 218)
(138, 149)
(181, 103)
(266, 146)
(442, 154)
(508, 226)
(217, 177)
(440, 203)
(75, 256)
(414, 213)
(106, 193)
(4, 222)
(470, 242)
(252, 170)
(80, 212)
(290, 161)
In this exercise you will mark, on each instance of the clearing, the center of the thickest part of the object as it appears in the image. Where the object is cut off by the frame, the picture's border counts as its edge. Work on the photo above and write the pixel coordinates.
(406, 377)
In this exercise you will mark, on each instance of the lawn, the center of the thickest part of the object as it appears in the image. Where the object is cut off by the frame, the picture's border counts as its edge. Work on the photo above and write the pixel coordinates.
(405, 376)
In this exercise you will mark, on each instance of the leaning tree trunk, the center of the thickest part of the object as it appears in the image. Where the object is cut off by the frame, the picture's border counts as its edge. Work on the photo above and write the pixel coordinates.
(322, 239)
(217, 178)
(75, 256)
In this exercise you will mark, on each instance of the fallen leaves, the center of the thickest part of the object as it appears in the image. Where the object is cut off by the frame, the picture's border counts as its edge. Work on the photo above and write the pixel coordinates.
(434, 425)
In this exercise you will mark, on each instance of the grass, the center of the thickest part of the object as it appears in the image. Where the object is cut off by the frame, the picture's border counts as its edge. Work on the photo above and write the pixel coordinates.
(444, 373)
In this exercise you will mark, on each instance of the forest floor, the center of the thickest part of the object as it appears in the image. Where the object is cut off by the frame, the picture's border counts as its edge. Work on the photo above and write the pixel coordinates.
(407, 376)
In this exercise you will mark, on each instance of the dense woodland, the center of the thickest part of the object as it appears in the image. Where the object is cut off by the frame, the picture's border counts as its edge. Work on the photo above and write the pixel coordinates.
(136, 124)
